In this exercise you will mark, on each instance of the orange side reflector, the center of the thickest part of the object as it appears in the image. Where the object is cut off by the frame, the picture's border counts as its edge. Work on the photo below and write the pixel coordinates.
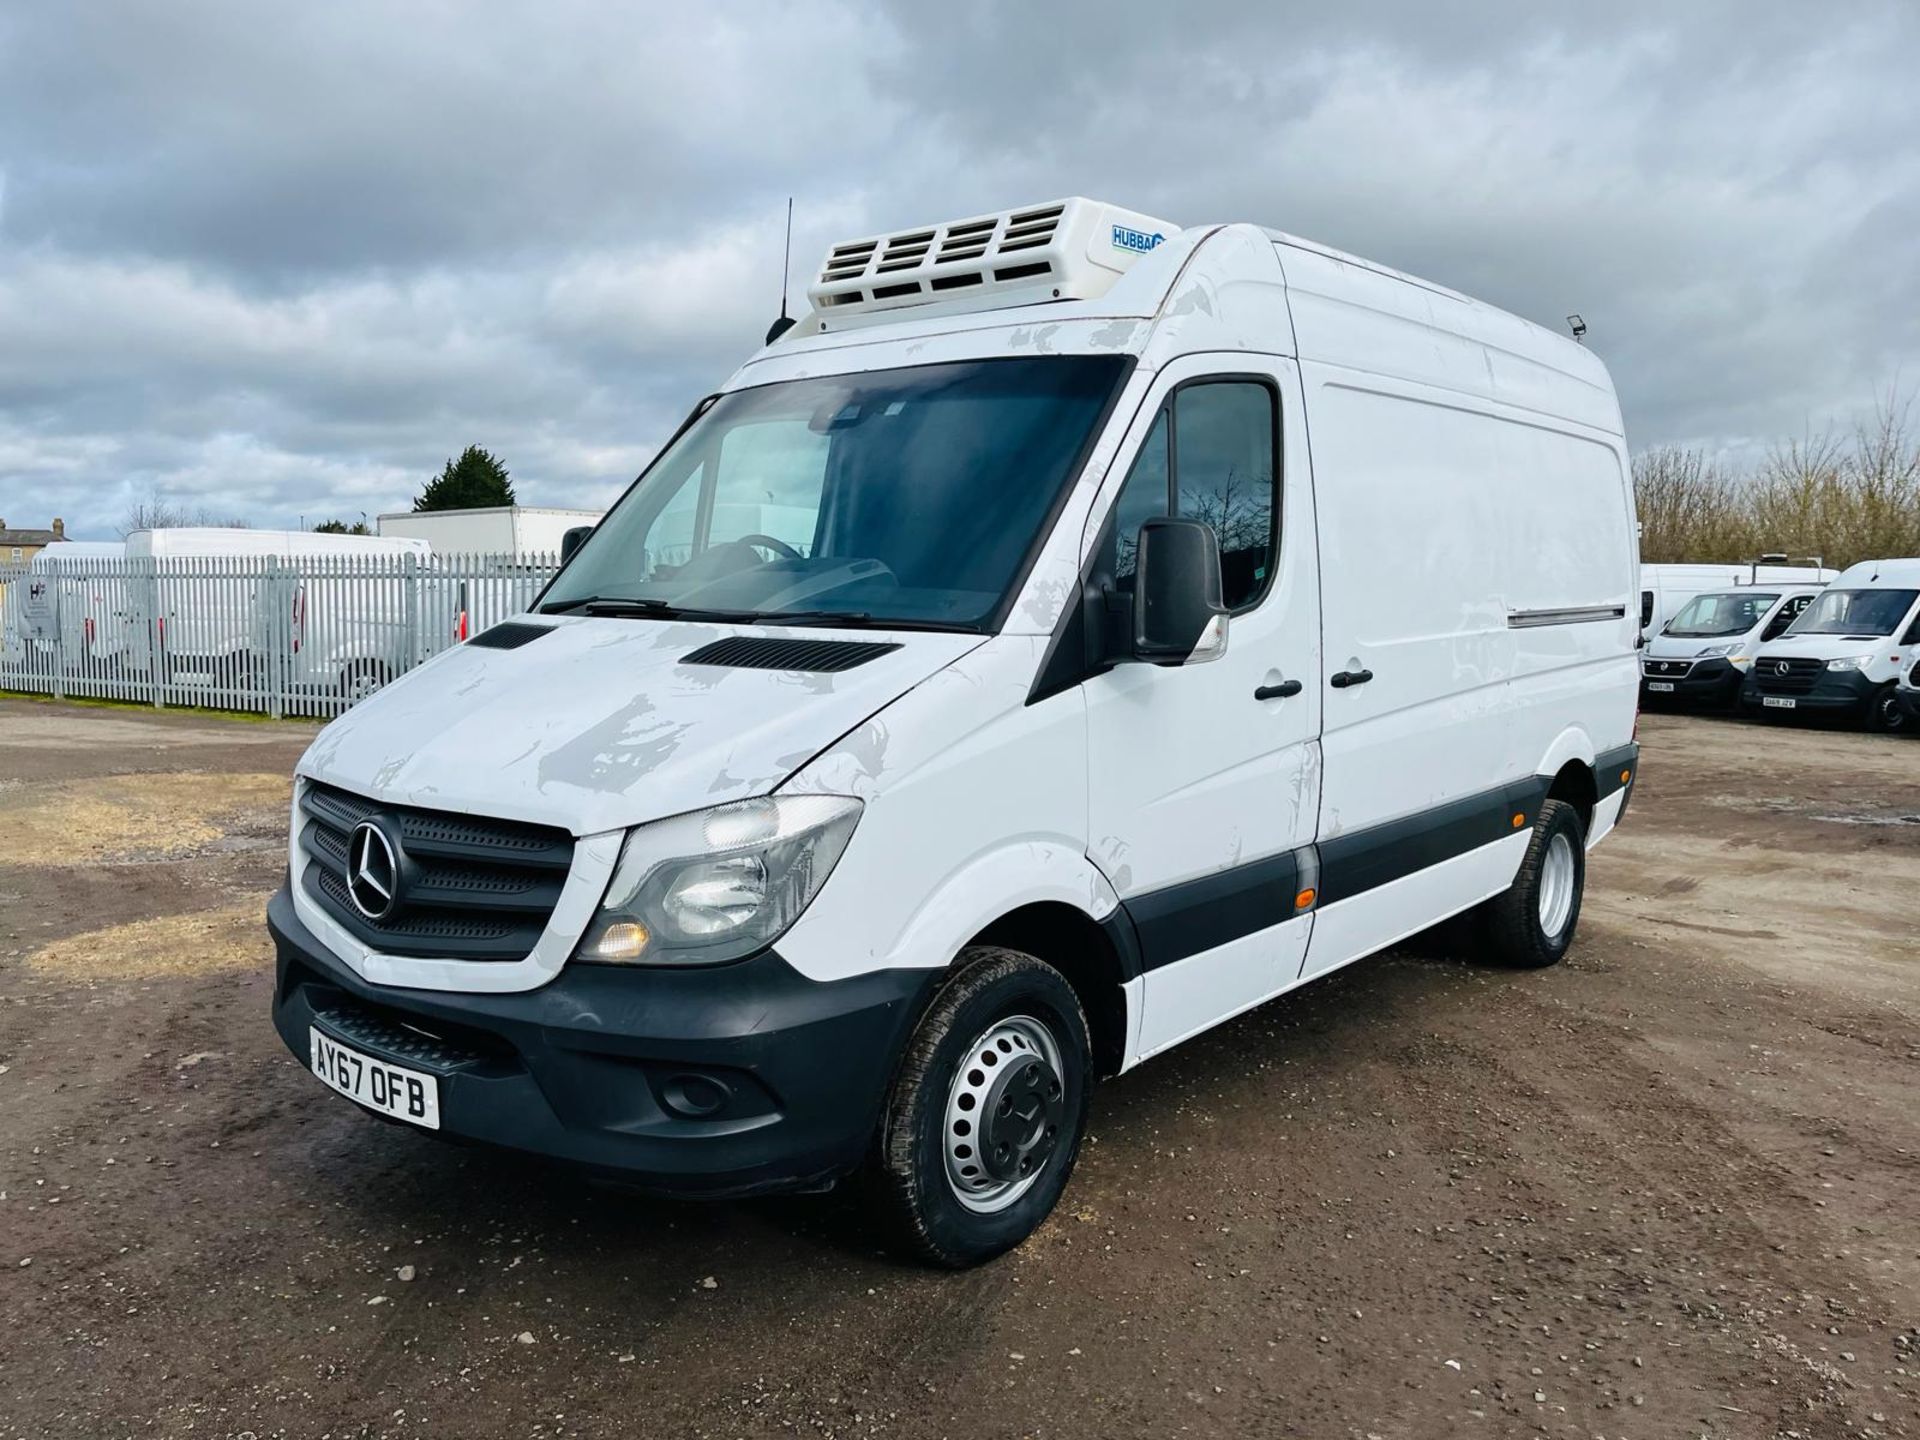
(1625, 776)
(1304, 900)
(1518, 821)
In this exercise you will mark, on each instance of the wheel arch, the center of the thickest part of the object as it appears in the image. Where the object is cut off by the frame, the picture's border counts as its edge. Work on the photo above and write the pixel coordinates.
(1088, 954)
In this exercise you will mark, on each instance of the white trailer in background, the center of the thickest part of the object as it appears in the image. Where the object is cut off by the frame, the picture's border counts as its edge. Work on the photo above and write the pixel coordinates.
(520, 531)
(233, 610)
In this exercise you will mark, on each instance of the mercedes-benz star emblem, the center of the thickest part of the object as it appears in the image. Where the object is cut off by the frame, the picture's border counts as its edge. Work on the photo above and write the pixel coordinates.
(373, 871)
(1781, 668)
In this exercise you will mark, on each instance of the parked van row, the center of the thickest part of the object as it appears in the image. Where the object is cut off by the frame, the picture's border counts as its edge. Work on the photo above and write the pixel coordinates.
(1033, 740)
(1843, 650)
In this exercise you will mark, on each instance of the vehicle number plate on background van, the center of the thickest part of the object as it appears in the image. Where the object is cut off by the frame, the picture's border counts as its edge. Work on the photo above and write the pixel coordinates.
(391, 1089)
(1663, 685)
(1776, 702)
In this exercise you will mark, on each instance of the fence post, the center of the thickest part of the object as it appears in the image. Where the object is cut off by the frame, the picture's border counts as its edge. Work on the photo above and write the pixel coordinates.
(410, 569)
(279, 631)
(156, 632)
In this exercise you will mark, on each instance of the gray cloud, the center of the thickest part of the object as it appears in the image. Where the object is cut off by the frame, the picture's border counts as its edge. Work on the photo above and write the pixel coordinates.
(283, 262)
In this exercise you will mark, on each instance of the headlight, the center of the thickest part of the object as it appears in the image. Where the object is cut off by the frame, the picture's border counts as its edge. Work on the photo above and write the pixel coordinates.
(1850, 662)
(718, 884)
(1713, 650)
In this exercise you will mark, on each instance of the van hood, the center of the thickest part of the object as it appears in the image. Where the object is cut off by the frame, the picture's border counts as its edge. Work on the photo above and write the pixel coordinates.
(1820, 647)
(1685, 647)
(598, 724)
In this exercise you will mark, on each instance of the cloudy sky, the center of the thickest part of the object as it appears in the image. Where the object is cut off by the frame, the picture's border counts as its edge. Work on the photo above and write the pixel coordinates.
(281, 261)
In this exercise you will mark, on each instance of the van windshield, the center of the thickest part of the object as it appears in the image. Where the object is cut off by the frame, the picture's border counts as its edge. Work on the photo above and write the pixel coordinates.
(1855, 612)
(889, 497)
(1732, 613)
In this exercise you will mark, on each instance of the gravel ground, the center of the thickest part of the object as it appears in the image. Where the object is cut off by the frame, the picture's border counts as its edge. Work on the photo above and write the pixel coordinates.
(1669, 1188)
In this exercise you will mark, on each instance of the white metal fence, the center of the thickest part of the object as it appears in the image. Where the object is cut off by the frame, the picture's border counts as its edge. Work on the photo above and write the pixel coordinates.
(302, 636)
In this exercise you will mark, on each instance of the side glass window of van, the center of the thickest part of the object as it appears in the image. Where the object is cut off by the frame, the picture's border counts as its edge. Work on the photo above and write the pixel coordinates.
(1646, 608)
(1223, 474)
(1210, 456)
(1912, 637)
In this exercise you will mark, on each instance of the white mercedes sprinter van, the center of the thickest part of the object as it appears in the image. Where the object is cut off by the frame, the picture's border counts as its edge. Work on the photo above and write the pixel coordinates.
(1843, 656)
(1702, 654)
(1178, 616)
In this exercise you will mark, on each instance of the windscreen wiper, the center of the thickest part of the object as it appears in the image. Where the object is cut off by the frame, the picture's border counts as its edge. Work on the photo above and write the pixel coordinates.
(651, 609)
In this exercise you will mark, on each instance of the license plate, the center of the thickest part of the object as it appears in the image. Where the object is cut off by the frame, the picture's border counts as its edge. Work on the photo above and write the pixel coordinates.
(1776, 702)
(390, 1089)
(1662, 685)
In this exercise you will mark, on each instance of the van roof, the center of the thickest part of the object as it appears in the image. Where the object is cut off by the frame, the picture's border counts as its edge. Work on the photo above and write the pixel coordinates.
(1157, 290)
(1881, 575)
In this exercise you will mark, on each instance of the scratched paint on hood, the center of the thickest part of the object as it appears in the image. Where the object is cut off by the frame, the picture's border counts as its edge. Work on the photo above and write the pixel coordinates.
(599, 725)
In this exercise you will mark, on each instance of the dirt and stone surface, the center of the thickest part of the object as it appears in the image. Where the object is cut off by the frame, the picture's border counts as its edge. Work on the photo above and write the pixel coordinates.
(1668, 1188)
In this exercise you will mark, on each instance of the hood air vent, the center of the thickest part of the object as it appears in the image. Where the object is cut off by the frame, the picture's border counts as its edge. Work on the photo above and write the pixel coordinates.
(753, 652)
(510, 635)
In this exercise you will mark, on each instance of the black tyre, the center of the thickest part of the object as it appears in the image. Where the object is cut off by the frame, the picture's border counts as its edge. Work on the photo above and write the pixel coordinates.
(1532, 923)
(984, 1119)
(1884, 715)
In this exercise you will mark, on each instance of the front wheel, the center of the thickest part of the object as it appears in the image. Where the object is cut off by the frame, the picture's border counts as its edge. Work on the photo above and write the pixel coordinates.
(984, 1120)
(1884, 712)
(1531, 924)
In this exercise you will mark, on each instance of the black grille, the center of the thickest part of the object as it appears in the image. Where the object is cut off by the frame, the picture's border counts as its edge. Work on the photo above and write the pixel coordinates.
(1665, 668)
(508, 636)
(752, 652)
(1795, 675)
(470, 888)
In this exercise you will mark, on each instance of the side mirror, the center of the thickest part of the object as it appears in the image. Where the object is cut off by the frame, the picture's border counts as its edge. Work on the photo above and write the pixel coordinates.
(572, 541)
(1179, 617)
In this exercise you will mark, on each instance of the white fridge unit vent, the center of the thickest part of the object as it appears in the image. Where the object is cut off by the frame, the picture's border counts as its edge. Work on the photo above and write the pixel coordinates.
(1070, 249)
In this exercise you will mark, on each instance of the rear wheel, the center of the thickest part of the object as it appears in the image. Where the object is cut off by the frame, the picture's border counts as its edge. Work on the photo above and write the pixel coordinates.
(1883, 711)
(984, 1120)
(1532, 923)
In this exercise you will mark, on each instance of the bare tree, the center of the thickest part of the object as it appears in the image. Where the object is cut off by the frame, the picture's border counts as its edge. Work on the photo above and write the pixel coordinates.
(156, 512)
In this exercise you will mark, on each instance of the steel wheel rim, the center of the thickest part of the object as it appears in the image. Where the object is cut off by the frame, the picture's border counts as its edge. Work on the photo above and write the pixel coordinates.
(1556, 886)
(1015, 1044)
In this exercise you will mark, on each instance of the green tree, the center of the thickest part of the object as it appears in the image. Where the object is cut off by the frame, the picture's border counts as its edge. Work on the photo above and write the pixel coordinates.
(475, 479)
(340, 527)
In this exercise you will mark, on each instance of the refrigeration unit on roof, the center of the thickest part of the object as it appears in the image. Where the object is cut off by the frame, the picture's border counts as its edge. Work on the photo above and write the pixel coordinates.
(1071, 249)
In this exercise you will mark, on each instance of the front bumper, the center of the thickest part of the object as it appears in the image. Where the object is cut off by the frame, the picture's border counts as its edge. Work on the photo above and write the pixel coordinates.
(1709, 682)
(1836, 692)
(734, 1080)
(1909, 702)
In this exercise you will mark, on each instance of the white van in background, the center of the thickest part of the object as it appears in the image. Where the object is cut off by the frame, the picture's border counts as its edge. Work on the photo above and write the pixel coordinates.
(217, 616)
(1033, 740)
(1845, 654)
(1664, 589)
(1702, 654)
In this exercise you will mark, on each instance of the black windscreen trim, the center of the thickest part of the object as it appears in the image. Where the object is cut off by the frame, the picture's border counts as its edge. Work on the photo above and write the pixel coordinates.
(508, 635)
(758, 652)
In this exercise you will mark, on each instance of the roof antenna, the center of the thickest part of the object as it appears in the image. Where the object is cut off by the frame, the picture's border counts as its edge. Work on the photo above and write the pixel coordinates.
(1579, 328)
(785, 322)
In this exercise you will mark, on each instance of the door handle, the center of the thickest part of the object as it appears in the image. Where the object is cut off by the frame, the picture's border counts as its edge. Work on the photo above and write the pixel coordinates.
(1350, 677)
(1277, 692)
